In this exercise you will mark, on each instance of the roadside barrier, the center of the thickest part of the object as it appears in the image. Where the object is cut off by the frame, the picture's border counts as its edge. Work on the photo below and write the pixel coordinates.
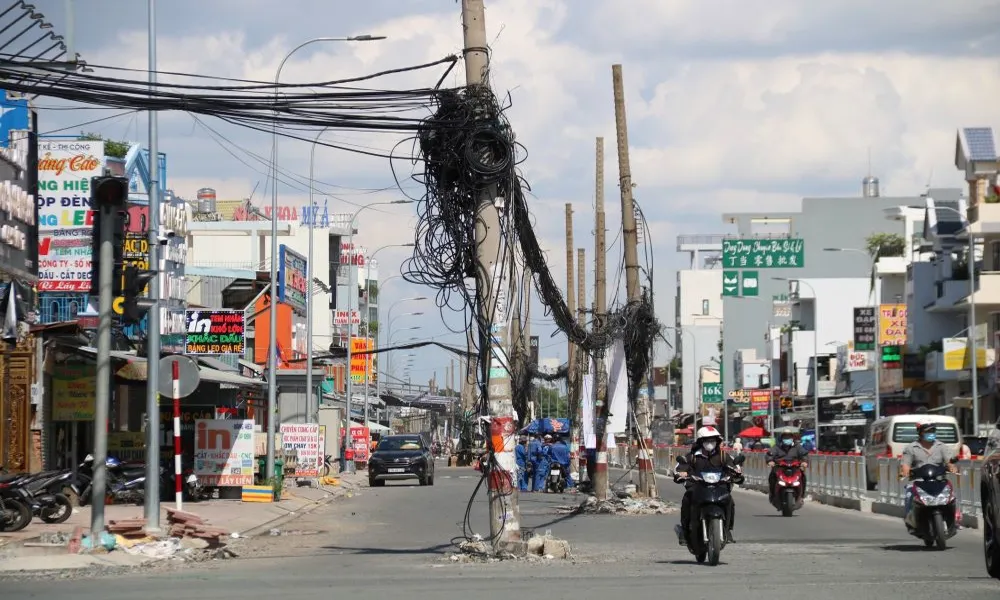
(838, 479)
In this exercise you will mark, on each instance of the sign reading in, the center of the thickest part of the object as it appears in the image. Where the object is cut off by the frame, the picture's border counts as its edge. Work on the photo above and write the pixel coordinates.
(711, 393)
(763, 253)
(215, 332)
(892, 325)
(223, 452)
(292, 285)
(864, 328)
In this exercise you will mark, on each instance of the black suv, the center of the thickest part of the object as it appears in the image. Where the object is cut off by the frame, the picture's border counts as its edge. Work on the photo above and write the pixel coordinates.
(991, 504)
(401, 457)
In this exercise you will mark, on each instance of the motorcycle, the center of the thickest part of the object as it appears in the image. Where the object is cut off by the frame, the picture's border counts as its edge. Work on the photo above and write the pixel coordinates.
(711, 501)
(788, 495)
(556, 481)
(932, 510)
(15, 509)
(126, 484)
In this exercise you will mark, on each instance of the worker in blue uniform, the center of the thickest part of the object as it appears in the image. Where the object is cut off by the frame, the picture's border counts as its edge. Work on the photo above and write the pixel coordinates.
(542, 464)
(521, 455)
(534, 451)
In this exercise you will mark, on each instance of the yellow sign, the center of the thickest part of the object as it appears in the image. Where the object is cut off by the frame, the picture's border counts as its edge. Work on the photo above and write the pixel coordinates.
(118, 305)
(73, 395)
(957, 356)
(892, 324)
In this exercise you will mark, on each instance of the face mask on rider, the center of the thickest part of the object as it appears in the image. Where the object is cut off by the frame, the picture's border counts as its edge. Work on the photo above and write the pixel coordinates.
(930, 436)
(709, 446)
(786, 442)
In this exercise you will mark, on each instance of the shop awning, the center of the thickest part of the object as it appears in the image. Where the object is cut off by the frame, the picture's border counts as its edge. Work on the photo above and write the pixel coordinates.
(137, 366)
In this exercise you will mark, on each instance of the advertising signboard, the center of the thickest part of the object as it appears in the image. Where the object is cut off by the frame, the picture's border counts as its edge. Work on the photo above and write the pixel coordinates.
(864, 328)
(292, 285)
(763, 253)
(304, 440)
(65, 220)
(215, 332)
(361, 442)
(892, 325)
(224, 452)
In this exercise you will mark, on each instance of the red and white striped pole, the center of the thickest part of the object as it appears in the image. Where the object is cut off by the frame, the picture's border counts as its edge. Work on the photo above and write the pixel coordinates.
(175, 391)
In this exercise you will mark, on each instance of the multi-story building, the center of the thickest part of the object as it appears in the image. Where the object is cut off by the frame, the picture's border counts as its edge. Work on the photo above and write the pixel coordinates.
(698, 314)
(817, 260)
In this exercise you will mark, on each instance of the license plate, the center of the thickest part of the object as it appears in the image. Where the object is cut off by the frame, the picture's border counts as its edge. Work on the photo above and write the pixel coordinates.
(397, 470)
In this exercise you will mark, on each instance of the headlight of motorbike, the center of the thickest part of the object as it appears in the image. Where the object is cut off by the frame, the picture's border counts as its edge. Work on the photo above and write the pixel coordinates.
(929, 500)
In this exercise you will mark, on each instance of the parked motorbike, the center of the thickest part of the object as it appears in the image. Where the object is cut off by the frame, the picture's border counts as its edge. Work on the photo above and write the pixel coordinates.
(788, 495)
(15, 509)
(48, 502)
(556, 481)
(711, 500)
(126, 484)
(932, 512)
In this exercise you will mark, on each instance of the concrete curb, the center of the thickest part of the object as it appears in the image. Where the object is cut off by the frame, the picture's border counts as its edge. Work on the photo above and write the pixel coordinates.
(292, 515)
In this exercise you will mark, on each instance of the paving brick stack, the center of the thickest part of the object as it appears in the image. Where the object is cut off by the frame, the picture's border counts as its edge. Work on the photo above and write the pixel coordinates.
(128, 528)
(189, 525)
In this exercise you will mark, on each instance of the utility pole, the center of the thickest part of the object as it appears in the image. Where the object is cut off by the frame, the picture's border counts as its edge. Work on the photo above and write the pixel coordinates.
(581, 356)
(571, 371)
(647, 477)
(601, 405)
(505, 518)
(152, 502)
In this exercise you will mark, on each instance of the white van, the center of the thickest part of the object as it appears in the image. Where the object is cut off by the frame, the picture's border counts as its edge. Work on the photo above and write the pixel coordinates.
(891, 435)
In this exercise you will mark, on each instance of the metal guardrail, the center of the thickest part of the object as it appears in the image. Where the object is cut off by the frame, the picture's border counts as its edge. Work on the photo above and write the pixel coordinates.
(842, 475)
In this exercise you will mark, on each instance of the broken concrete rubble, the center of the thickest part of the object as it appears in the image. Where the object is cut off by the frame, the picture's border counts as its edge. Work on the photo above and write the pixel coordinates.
(537, 547)
(620, 506)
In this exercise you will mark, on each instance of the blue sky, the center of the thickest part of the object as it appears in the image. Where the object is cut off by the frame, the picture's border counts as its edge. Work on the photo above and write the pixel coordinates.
(732, 105)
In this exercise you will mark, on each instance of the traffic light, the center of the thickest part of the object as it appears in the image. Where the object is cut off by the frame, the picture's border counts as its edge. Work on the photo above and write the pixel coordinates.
(113, 192)
(135, 308)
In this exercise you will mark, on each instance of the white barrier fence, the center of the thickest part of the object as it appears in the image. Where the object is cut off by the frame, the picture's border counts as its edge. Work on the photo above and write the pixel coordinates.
(839, 478)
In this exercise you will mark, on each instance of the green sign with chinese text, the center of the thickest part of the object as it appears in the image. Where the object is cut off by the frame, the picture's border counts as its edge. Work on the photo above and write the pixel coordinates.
(752, 253)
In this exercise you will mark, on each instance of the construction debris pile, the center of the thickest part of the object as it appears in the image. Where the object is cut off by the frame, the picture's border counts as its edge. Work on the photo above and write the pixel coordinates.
(189, 525)
(537, 547)
(621, 502)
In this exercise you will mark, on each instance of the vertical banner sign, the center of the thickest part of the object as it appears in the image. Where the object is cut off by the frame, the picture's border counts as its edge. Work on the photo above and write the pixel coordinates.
(533, 350)
(292, 285)
(361, 364)
(864, 328)
(361, 442)
(224, 452)
(303, 440)
(892, 325)
(65, 219)
(760, 402)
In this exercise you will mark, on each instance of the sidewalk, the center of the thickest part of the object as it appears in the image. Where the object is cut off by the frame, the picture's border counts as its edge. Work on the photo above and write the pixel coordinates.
(41, 546)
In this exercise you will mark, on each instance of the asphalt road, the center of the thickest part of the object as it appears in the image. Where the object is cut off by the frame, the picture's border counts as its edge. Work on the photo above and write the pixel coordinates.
(391, 542)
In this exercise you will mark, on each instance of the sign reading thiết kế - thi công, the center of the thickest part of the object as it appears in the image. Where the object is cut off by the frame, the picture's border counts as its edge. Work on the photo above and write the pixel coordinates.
(784, 253)
(215, 332)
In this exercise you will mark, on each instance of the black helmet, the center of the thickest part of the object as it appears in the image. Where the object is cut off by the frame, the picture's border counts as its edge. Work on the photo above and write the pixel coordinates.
(925, 426)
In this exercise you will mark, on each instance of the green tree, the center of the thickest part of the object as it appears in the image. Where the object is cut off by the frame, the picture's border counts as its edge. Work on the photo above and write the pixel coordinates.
(112, 148)
(885, 244)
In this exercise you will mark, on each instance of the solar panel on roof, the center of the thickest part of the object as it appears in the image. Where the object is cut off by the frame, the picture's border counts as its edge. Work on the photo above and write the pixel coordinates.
(982, 146)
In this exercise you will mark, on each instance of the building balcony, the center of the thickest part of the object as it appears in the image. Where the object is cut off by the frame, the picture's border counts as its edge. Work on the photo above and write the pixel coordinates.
(891, 265)
(949, 295)
(985, 218)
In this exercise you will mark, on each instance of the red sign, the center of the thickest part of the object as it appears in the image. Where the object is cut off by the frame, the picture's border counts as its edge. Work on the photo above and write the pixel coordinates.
(360, 440)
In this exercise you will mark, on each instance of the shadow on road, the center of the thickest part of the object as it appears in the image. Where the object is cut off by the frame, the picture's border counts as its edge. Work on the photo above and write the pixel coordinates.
(909, 548)
(439, 549)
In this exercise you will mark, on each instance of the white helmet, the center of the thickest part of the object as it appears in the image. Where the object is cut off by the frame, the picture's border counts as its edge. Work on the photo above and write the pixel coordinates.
(707, 432)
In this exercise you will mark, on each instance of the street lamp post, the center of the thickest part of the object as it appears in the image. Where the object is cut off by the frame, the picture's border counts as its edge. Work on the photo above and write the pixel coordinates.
(310, 414)
(878, 329)
(352, 293)
(272, 351)
(815, 360)
(368, 275)
(390, 320)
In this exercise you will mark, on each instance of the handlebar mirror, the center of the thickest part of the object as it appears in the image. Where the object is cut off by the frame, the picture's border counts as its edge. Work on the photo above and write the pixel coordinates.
(739, 460)
(682, 460)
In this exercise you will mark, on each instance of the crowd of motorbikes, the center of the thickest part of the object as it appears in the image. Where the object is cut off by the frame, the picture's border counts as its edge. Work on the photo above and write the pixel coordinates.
(46, 495)
(931, 515)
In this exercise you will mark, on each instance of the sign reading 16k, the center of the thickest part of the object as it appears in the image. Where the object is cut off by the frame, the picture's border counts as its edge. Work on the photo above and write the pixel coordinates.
(784, 253)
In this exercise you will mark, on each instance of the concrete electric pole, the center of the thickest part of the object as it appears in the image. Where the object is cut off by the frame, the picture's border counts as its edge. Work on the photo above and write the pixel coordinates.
(581, 356)
(493, 307)
(647, 477)
(571, 370)
(601, 406)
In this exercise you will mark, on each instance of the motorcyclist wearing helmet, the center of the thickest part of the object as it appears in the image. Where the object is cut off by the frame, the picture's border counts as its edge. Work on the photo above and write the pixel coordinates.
(926, 449)
(787, 448)
(706, 455)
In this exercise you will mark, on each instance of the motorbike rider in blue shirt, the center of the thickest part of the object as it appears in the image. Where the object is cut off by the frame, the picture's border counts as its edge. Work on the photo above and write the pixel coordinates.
(559, 454)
